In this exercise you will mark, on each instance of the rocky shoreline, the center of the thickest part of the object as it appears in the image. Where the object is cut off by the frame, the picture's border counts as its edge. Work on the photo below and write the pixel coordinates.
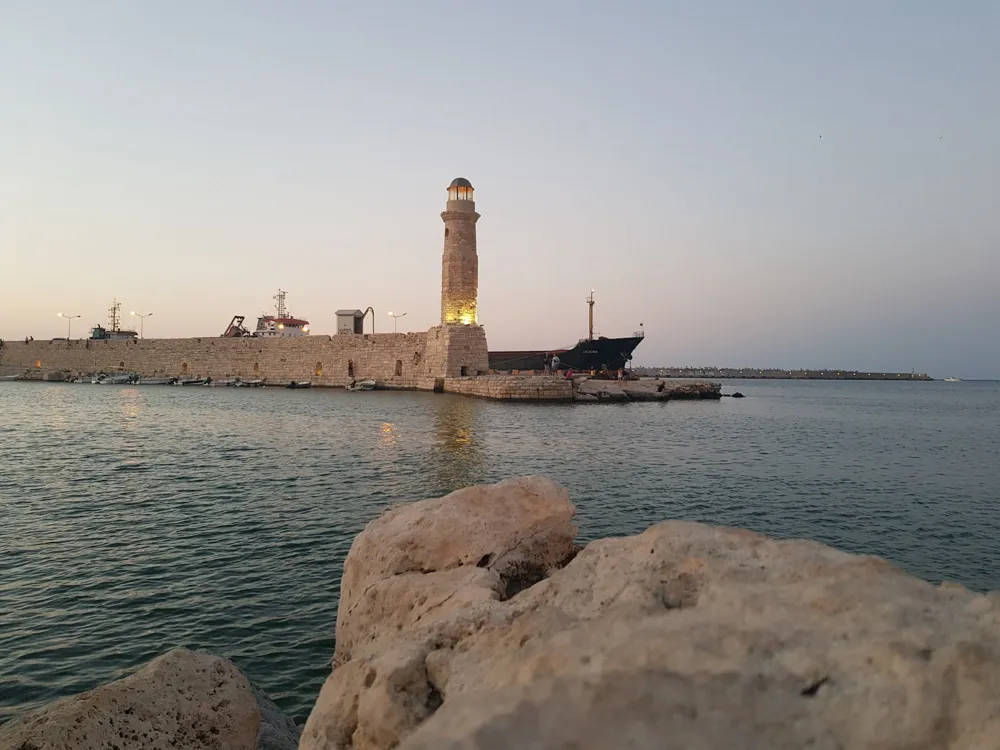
(476, 621)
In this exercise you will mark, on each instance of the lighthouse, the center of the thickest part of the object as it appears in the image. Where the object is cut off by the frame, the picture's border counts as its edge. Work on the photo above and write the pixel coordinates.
(457, 347)
(460, 263)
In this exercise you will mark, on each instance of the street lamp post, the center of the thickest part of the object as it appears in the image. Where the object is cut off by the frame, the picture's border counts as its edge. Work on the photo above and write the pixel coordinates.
(142, 319)
(395, 317)
(69, 323)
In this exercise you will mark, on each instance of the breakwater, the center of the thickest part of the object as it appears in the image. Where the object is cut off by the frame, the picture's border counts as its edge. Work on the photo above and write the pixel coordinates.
(753, 373)
(449, 359)
(394, 360)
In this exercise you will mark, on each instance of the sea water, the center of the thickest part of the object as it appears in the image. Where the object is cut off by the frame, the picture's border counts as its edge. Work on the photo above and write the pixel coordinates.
(137, 519)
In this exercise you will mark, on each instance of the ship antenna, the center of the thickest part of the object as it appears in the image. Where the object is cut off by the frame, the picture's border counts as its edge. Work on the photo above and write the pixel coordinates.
(280, 296)
(113, 314)
(590, 328)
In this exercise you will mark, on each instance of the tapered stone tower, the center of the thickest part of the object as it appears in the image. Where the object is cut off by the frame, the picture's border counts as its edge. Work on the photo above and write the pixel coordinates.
(460, 263)
(457, 347)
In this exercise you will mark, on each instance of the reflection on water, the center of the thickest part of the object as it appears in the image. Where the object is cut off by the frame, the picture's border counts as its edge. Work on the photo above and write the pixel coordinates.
(457, 457)
(129, 401)
(133, 520)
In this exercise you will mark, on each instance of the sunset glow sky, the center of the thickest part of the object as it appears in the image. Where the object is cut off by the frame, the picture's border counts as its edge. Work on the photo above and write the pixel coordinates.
(786, 184)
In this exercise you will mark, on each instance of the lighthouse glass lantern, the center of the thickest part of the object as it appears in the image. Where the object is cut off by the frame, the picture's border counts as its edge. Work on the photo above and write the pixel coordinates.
(460, 190)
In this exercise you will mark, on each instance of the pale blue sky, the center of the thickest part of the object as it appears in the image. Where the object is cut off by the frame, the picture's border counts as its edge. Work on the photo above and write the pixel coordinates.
(190, 157)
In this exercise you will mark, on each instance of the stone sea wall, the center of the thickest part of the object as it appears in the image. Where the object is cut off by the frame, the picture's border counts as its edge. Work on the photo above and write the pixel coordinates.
(476, 621)
(392, 359)
(513, 387)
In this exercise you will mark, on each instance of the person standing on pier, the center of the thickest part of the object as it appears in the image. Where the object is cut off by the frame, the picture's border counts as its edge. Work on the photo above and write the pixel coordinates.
(555, 363)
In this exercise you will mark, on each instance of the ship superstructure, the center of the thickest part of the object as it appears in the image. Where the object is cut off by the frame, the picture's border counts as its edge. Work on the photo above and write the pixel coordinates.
(283, 324)
(114, 330)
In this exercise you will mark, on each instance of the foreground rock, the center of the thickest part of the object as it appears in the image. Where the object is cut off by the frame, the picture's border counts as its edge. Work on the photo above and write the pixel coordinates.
(182, 699)
(686, 636)
(421, 574)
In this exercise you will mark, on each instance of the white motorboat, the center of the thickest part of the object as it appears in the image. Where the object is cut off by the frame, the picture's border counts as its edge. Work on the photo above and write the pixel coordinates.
(238, 383)
(362, 385)
(155, 381)
(7, 378)
(118, 380)
(952, 380)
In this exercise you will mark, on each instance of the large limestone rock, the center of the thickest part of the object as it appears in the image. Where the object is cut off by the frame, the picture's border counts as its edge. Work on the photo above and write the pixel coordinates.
(183, 699)
(685, 636)
(418, 576)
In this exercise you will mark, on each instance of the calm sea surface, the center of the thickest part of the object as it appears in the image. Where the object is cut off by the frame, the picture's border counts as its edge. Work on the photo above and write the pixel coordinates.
(133, 520)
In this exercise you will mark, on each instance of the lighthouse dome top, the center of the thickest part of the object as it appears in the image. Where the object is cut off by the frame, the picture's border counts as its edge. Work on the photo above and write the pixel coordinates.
(460, 189)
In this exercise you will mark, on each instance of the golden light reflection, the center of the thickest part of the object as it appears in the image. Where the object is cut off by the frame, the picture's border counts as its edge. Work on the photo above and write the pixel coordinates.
(389, 435)
(459, 454)
(130, 402)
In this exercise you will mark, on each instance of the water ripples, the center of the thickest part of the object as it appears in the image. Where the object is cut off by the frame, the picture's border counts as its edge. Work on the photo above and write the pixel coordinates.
(139, 519)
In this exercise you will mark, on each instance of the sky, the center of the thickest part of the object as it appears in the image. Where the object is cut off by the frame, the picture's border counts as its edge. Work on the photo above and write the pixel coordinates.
(769, 184)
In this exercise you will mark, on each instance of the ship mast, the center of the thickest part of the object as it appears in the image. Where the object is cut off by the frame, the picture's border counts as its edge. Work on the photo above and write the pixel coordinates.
(113, 314)
(280, 296)
(590, 327)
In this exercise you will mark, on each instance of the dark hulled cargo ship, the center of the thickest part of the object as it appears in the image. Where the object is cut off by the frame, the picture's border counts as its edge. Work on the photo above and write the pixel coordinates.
(596, 354)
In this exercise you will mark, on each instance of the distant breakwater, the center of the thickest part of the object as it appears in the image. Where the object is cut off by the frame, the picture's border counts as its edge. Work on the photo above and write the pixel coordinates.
(748, 373)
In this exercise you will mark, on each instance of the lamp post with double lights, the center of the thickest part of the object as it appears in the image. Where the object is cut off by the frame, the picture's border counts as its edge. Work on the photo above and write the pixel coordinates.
(142, 319)
(69, 323)
(395, 317)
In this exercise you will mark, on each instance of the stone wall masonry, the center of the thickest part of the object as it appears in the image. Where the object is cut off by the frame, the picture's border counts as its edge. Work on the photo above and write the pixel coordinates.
(458, 350)
(459, 264)
(512, 387)
(393, 360)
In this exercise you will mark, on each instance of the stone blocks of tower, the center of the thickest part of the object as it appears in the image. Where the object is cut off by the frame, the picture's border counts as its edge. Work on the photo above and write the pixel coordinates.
(460, 261)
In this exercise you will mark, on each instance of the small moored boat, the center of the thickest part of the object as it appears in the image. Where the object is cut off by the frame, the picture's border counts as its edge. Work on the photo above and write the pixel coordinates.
(299, 384)
(192, 381)
(118, 380)
(361, 385)
(238, 383)
(156, 381)
(8, 378)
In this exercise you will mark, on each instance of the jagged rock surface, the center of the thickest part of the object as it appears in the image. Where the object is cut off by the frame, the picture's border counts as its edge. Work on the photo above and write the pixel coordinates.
(685, 636)
(590, 389)
(421, 575)
(182, 700)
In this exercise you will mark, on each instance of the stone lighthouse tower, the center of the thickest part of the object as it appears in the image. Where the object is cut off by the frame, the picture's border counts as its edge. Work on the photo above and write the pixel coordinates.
(460, 263)
(457, 347)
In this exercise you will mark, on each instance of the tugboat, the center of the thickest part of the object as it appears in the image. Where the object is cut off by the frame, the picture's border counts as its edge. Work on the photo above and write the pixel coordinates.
(600, 354)
(282, 325)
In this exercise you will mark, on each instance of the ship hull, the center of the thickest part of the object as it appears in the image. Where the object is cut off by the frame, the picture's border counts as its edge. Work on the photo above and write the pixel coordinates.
(592, 354)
